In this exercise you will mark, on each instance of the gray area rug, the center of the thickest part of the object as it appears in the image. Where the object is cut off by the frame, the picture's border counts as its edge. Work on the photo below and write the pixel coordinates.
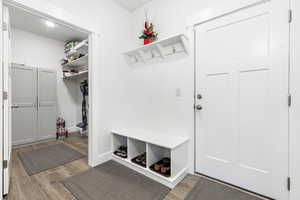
(209, 190)
(46, 158)
(113, 181)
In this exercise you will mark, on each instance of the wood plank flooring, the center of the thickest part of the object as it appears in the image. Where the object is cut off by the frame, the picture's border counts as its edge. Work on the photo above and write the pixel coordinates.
(46, 185)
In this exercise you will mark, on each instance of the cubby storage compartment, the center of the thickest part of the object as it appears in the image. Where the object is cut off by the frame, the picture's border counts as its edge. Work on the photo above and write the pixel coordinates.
(157, 147)
(120, 146)
(157, 156)
(137, 152)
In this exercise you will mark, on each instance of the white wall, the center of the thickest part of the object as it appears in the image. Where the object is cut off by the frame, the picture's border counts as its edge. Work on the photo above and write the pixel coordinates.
(41, 52)
(153, 103)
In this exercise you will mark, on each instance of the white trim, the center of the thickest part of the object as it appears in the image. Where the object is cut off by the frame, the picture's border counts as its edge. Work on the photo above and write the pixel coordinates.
(73, 129)
(200, 18)
(33, 11)
(103, 158)
(25, 141)
(46, 138)
(33, 140)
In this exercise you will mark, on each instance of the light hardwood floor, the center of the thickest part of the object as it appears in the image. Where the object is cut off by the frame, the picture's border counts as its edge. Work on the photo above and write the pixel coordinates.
(46, 185)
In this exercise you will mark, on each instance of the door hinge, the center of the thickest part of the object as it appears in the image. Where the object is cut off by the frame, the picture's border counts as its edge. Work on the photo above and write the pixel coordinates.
(290, 100)
(289, 184)
(5, 95)
(5, 164)
(4, 26)
(290, 16)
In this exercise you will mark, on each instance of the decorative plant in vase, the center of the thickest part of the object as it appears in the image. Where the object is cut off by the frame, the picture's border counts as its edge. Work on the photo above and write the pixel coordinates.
(149, 35)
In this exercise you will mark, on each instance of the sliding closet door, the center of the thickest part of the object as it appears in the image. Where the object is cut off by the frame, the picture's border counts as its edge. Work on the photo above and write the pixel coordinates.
(242, 98)
(24, 99)
(47, 98)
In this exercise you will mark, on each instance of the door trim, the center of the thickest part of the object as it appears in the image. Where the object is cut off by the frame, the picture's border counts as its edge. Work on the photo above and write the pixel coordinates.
(196, 21)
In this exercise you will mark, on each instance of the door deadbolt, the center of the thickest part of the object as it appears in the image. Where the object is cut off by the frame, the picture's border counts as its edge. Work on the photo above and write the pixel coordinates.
(198, 107)
(199, 96)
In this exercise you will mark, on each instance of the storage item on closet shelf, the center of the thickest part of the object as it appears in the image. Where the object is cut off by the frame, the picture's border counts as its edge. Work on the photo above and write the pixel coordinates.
(162, 167)
(64, 61)
(140, 160)
(121, 152)
(73, 57)
(61, 130)
(81, 44)
(70, 72)
(70, 45)
(85, 91)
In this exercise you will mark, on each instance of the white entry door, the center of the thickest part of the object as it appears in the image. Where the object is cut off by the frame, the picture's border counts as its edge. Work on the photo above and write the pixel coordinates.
(24, 100)
(47, 104)
(242, 98)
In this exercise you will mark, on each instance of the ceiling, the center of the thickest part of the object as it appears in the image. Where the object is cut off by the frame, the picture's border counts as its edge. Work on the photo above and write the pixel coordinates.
(131, 5)
(26, 21)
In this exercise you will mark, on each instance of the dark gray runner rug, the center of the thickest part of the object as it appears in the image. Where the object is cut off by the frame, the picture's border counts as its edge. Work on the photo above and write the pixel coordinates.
(209, 190)
(46, 158)
(113, 181)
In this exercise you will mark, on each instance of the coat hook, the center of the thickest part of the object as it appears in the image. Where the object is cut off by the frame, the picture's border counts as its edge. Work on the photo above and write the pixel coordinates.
(152, 54)
(174, 49)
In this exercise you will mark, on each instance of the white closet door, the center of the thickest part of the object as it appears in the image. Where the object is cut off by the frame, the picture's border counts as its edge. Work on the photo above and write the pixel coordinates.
(242, 76)
(24, 98)
(295, 107)
(1, 104)
(7, 103)
(47, 98)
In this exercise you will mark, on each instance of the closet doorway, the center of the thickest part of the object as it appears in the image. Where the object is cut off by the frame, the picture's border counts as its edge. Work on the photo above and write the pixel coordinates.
(242, 98)
(49, 79)
(48, 49)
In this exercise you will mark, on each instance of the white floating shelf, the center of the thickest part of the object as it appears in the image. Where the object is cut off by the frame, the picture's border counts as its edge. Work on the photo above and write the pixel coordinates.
(76, 75)
(157, 146)
(82, 61)
(173, 45)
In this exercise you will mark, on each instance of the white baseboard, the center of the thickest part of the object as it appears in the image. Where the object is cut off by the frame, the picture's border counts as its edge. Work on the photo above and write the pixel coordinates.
(73, 129)
(25, 141)
(46, 137)
(100, 159)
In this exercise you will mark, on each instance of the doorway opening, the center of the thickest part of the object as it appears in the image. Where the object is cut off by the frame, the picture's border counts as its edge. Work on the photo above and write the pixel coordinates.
(48, 84)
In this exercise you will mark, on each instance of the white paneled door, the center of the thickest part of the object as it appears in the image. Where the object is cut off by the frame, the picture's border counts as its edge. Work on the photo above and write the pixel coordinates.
(242, 98)
(47, 104)
(34, 104)
(24, 102)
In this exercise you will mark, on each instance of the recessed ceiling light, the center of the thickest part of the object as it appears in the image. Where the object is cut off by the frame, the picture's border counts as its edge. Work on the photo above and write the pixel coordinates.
(50, 24)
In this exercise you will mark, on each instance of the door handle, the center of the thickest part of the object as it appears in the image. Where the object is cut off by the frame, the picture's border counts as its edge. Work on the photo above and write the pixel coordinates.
(15, 106)
(198, 107)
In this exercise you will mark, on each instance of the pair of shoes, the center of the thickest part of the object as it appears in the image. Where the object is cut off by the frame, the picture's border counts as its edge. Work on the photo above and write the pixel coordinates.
(121, 152)
(140, 160)
(163, 167)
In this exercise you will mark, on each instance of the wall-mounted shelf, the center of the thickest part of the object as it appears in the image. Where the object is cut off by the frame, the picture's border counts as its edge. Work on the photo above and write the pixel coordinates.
(161, 49)
(78, 62)
(156, 146)
(76, 75)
